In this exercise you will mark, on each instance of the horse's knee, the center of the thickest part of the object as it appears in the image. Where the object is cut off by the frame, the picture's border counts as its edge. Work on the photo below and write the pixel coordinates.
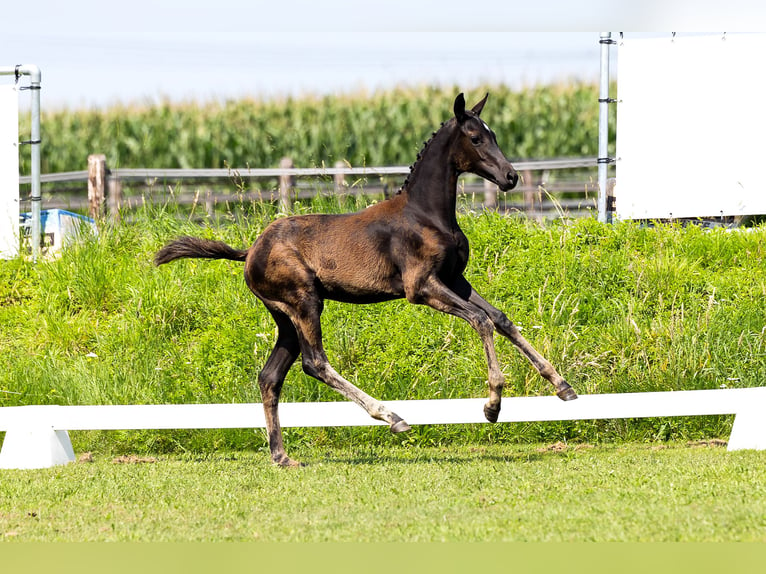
(484, 325)
(270, 386)
(502, 323)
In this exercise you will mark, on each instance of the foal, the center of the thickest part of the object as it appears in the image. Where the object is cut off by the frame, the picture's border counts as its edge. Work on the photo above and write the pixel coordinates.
(407, 246)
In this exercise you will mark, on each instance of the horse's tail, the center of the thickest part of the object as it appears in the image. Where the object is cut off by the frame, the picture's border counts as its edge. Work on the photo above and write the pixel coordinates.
(196, 247)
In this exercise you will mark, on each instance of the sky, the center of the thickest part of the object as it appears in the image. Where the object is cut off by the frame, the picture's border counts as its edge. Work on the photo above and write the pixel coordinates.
(94, 54)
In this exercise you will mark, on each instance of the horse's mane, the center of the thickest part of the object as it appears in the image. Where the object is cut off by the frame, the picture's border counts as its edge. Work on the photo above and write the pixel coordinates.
(419, 157)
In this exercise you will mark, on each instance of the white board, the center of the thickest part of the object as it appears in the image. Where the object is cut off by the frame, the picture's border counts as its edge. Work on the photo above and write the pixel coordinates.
(9, 171)
(691, 126)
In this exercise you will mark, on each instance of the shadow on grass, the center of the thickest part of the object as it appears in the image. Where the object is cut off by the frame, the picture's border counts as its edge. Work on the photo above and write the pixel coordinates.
(498, 454)
(444, 456)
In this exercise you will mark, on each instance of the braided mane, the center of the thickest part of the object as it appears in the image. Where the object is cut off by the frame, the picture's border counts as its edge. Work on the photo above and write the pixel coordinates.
(418, 158)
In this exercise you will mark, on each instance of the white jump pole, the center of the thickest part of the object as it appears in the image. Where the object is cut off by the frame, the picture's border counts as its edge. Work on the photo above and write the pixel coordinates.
(36, 436)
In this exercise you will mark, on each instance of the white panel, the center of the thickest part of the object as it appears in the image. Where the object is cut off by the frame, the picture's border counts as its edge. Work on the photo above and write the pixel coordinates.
(9, 171)
(691, 127)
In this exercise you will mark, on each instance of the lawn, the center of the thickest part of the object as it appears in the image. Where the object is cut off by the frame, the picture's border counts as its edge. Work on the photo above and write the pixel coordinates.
(397, 493)
(620, 308)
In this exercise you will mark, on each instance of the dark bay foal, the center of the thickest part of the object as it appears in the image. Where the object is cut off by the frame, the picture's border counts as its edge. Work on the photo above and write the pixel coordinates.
(407, 246)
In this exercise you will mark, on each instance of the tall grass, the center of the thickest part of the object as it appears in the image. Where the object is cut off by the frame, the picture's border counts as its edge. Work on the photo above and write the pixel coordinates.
(618, 308)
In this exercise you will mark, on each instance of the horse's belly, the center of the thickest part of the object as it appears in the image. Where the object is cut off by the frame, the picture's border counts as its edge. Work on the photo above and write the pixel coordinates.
(362, 289)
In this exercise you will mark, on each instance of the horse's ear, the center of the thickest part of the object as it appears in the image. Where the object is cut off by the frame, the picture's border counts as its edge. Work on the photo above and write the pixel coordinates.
(480, 106)
(459, 108)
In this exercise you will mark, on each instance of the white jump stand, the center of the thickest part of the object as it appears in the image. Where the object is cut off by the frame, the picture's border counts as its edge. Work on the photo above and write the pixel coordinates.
(749, 428)
(36, 447)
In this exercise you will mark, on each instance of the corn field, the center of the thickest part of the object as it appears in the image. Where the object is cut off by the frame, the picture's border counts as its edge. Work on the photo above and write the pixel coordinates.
(383, 128)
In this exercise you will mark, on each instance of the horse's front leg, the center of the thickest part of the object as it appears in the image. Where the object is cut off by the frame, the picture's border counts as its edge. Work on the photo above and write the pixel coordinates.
(506, 328)
(437, 295)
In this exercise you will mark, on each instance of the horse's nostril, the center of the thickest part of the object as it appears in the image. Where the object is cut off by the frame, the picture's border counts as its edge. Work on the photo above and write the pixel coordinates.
(513, 178)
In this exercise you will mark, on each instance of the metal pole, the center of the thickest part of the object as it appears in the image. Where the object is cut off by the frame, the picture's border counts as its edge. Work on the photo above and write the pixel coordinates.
(35, 79)
(36, 196)
(603, 127)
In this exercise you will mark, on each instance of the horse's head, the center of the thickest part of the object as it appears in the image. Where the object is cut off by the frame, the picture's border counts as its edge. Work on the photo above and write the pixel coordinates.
(476, 150)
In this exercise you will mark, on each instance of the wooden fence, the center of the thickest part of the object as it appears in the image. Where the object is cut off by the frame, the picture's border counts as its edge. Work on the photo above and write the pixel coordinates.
(549, 188)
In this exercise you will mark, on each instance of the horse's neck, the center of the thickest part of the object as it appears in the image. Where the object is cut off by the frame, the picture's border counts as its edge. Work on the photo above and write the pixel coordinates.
(432, 185)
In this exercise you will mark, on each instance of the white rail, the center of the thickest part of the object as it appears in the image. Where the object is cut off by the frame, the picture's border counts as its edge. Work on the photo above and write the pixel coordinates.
(174, 174)
(37, 437)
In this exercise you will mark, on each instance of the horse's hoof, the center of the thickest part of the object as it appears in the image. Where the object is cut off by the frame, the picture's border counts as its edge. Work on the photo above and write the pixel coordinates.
(400, 426)
(286, 462)
(566, 393)
(491, 413)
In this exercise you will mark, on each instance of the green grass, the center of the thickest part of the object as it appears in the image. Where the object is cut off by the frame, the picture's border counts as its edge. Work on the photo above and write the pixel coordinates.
(367, 493)
(617, 308)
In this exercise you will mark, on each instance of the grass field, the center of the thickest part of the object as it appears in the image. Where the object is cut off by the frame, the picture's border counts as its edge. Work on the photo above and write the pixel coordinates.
(618, 308)
(387, 493)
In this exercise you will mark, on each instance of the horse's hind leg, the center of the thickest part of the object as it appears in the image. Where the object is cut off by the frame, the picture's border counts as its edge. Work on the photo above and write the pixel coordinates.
(270, 381)
(315, 363)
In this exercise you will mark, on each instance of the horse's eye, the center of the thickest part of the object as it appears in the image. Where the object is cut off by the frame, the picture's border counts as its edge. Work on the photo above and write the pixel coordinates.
(475, 140)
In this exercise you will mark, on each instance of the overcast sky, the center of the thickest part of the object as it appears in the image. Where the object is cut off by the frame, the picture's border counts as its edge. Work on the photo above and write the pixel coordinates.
(98, 53)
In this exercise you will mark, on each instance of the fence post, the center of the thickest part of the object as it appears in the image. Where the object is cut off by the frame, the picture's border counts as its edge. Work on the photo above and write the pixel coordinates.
(490, 195)
(530, 190)
(611, 200)
(286, 184)
(339, 179)
(209, 203)
(114, 188)
(603, 127)
(96, 184)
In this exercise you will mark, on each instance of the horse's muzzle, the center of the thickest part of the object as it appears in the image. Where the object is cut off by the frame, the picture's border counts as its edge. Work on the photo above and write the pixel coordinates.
(511, 179)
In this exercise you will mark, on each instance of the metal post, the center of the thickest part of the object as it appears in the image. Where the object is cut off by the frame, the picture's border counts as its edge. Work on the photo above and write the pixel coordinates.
(35, 78)
(35, 196)
(604, 160)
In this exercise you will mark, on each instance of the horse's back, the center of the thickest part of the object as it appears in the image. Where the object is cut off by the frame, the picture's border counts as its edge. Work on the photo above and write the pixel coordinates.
(341, 256)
